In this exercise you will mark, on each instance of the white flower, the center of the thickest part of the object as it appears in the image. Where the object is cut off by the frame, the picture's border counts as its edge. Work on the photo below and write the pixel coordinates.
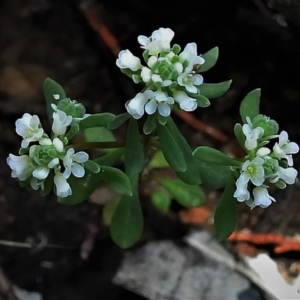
(72, 163)
(146, 74)
(288, 175)
(159, 101)
(63, 188)
(263, 151)
(58, 145)
(251, 134)
(261, 197)
(159, 41)
(190, 55)
(254, 171)
(185, 102)
(127, 60)
(29, 127)
(136, 106)
(41, 172)
(21, 166)
(60, 122)
(241, 192)
(189, 80)
(285, 148)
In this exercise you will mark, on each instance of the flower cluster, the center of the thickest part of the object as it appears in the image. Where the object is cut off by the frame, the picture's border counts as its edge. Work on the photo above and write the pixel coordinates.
(170, 76)
(264, 165)
(46, 160)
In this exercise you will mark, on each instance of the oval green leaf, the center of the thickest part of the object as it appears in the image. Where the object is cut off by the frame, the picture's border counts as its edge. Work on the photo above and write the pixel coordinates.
(116, 180)
(127, 222)
(171, 150)
(96, 120)
(110, 158)
(82, 188)
(191, 175)
(238, 131)
(109, 210)
(211, 58)
(250, 105)
(213, 176)
(118, 121)
(225, 217)
(213, 156)
(161, 201)
(150, 124)
(134, 150)
(52, 88)
(185, 194)
(214, 90)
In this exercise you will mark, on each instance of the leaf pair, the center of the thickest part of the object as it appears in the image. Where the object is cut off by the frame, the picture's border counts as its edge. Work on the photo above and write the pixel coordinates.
(178, 153)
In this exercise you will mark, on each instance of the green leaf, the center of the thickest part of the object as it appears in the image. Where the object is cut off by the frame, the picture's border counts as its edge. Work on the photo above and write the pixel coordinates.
(171, 150)
(127, 222)
(116, 179)
(52, 88)
(214, 90)
(48, 185)
(134, 150)
(213, 176)
(96, 120)
(250, 105)
(226, 212)
(161, 201)
(150, 124)
(185, 194)
(82, 188)
(110, 158)
(162, 120)
(202, 101)
(157, 161)
(92, 166)
(118, 121)
(191, 175)
(211, 58)
(238, 131)
(73, 131)
(98, 134)
(109, 210)
(213, 156)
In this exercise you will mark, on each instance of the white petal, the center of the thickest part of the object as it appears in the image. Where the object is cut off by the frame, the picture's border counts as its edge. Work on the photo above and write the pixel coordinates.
(288, 175)
(78, 170)
(41, 172)
(146, 74)
(151, 61)
(150, 107)
(198, 79)
(63, 188)
(81, 157)
(191, 88)
(127, 60)
(149, 94)
(160, 96)
(143, 40)
(58, 145)
(261, 197)
(164, 109)
(283, 137)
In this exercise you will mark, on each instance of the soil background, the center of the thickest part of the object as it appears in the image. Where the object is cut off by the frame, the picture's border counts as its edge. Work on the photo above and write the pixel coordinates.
(43, 38)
